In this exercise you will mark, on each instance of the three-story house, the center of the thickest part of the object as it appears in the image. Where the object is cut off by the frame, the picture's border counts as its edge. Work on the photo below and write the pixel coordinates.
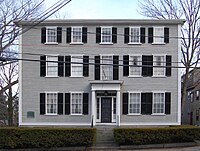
(100, 72)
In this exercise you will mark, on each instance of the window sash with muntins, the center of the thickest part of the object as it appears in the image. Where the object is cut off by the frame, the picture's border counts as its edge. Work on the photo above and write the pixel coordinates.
(52, 65)
(134, 34)
(134, 103)
(77, 66)
(158, 103)
(158, 35)
(76, 103)
(106, 34)
(159, 66)
(51, 103)
(51, 35)
(135, 63)
(76, 34)
(107, 68)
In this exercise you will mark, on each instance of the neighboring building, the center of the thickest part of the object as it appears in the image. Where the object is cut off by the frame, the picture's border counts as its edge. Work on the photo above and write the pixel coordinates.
(190, 113)
(100, 72)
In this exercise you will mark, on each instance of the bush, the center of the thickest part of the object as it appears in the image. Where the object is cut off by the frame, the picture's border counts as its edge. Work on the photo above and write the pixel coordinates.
(46, 137)
(141, 136)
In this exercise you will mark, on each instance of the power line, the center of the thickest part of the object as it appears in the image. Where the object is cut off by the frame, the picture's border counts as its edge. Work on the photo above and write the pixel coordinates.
(91, 63)
(78, 57)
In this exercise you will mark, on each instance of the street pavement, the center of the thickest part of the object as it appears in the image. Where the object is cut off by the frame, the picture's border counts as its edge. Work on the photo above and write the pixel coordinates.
(195, 148)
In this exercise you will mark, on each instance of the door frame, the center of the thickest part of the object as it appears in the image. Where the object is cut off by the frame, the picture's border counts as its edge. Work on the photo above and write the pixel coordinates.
(98, 105)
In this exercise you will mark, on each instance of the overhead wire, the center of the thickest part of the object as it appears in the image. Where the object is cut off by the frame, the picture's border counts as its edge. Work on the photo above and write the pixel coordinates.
(78, 56)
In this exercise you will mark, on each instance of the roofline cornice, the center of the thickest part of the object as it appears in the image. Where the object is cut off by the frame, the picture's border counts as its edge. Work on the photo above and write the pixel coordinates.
(126, 22)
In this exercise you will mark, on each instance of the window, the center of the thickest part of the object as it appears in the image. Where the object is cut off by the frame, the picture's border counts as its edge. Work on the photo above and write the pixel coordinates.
(51, 103)
(158, 69)
(197, 115)
(134, 103)
(77, 66)
(134, 34)
(106, 34)
(135, 63)
(98, 109)
(76, 34)
(76, 103)
(52, 66)
(51, 35)
(192, 96)
(107, 68)
(158, 35)
(197, 95)
(158, 103)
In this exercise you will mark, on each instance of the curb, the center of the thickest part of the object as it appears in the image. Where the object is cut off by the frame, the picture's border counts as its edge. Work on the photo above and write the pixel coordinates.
(122, 147)
(156, 146)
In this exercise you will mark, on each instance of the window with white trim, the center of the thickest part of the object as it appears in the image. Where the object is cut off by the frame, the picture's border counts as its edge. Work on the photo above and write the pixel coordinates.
(76, 103)
(76, 34)
(107, 68)
(51, 34)
(77, 66)
(52, 66)
(159, 63)
(134, 103)
(51, 103)
(135, 63)
(134, 34)
(158, 103)
(106, 34)
(158, 35)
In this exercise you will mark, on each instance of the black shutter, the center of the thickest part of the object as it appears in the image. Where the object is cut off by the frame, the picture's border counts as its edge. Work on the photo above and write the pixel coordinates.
(85, 103)
(67, 66)
(43, 35)
(125, 65)
(60, 103)
(126, 35)
(84, 34)
(147, 65)
(98, 34)
(115, 67)
(97, 68)
(168, 65)
(167, 103)
(146, 99)
(60, 66)
(67, 103)
(142, 35)
(85, 66)
(150, 35)
(42, 66)
(166, 35)
(69, 30)
(114, 35)
(42, 103)
(59, 34)
(125, 103)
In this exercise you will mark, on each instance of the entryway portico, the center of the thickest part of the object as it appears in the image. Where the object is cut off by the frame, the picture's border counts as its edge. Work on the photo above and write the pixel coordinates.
(105, 102)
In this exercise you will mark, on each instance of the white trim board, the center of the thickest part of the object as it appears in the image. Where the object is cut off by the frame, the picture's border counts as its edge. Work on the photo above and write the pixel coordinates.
(53, 124)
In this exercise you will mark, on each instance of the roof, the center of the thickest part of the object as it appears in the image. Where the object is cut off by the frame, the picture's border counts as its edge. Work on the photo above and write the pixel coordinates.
(100, 22)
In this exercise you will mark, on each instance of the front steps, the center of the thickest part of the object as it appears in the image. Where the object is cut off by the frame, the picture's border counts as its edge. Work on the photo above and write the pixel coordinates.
(105, 136)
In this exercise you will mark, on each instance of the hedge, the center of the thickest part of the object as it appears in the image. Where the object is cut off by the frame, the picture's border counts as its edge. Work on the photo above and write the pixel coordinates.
(46, 137)
(141, 136)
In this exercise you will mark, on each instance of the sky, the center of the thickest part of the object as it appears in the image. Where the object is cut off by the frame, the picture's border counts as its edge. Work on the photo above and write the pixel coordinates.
(99, 9)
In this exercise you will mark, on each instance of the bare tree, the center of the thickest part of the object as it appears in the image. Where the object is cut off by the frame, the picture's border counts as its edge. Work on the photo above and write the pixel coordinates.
(8, 74)
(11, 10)
(179, 9)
